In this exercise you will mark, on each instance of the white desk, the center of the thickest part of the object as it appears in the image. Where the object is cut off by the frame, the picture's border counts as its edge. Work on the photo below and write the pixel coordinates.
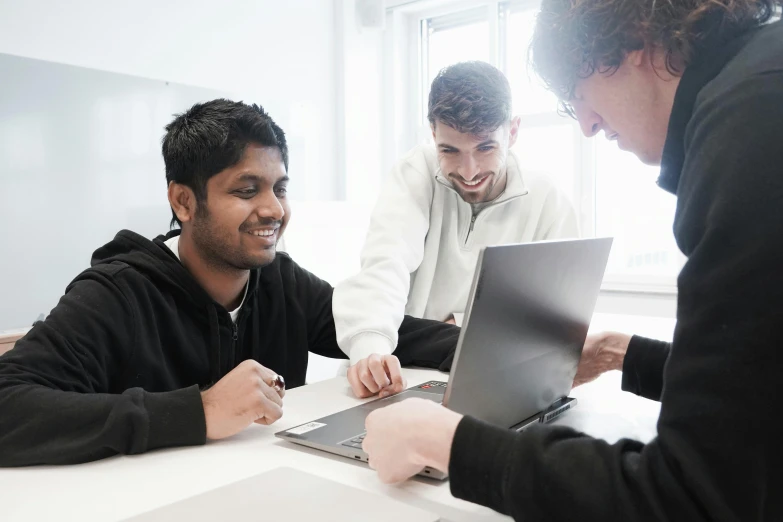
(120, 487)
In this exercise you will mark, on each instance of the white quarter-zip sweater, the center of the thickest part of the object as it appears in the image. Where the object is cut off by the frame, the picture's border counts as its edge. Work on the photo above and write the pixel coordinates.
(423, 244)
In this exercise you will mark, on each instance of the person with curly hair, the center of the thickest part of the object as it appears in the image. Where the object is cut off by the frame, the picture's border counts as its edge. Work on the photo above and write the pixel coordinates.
(695, 86)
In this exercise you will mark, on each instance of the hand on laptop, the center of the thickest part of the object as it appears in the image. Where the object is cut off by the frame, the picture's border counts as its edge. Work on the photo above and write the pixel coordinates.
(406, 437)
(602, 352)
(244, 395)
(376, 374)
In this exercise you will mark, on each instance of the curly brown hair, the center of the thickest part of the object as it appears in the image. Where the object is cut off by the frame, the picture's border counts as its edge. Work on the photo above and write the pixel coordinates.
(575, 38)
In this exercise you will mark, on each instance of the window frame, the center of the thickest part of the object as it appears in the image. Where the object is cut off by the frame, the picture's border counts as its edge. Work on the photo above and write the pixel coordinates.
(418, 18)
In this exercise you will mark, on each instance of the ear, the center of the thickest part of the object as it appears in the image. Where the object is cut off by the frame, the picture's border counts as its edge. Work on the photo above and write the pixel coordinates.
(182, 201)
(513, 131)
(637, 58)
(432, 127)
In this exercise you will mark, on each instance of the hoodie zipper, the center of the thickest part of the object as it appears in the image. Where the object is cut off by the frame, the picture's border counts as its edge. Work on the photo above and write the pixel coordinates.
(234, 338)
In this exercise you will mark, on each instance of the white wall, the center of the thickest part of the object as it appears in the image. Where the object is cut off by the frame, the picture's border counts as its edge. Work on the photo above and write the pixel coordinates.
(280, 54)
(360, 96)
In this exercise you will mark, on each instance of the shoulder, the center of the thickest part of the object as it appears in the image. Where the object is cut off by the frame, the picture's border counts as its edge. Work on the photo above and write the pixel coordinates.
(105, 274)
(420, 161)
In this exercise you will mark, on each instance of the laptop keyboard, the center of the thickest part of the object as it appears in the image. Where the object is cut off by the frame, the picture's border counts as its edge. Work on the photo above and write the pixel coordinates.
(355, 442)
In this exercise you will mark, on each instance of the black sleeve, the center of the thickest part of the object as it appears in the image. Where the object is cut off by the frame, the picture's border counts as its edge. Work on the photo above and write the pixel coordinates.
(643, 367)
(315, 294)
(425, 343)
(718, 454)
(57, 401)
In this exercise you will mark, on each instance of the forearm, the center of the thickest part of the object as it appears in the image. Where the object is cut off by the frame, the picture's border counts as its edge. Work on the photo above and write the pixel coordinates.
(369, 307)
(39, 425)
(553, 473)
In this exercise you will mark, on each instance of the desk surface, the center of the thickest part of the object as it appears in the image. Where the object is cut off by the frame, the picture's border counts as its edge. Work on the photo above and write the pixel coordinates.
(121, 487)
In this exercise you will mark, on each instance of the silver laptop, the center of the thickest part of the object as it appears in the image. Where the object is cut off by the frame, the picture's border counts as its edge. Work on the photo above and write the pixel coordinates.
(528, 313)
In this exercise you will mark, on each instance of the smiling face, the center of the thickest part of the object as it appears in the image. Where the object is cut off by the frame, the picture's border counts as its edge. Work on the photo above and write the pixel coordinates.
(475, 165)
(245, 212)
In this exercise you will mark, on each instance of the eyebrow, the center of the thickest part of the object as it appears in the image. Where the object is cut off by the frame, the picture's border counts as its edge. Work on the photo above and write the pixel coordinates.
(249, 177)
(482, 144)
(487, 142)
(446, 146)
(258, 179)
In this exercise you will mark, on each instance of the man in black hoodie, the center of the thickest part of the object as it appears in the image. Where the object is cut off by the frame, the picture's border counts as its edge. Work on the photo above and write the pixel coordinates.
(178, 340)
(697, 87)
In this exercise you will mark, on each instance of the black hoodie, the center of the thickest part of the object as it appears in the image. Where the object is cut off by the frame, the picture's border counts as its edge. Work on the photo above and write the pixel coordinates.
(119, 364)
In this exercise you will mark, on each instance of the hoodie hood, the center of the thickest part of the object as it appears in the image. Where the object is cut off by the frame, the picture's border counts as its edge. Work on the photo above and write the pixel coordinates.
(158, 263)
(154, 260)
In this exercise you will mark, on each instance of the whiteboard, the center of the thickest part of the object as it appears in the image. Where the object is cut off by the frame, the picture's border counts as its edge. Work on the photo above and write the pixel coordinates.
(79, 160)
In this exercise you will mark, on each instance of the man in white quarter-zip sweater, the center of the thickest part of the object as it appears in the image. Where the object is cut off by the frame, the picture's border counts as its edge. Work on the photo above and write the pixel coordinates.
(439, 206)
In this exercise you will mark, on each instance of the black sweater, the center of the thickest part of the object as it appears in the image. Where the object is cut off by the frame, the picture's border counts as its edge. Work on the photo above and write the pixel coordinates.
(718, 454)
(118, 365)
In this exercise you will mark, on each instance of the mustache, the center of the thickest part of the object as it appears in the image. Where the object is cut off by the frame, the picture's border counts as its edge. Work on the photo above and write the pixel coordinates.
(265, 223)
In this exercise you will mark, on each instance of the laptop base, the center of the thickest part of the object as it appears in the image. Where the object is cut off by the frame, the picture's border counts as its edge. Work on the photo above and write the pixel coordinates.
(351, 446)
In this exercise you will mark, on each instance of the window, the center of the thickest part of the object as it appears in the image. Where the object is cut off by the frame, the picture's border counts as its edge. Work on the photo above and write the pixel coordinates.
(612, 191)
(530, 97)
(639, 215)
(456, 39)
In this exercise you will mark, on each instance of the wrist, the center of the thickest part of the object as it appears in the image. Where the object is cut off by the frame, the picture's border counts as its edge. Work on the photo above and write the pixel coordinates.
(434, 449)
(206, 405)
(365, 344)
(616, 345)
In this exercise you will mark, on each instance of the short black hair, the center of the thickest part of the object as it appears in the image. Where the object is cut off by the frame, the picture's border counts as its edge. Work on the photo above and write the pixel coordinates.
(471, 97)
(211, 137)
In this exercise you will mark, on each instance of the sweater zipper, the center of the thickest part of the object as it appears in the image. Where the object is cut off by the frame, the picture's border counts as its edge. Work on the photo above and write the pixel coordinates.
(491, 205)
(470, 230)
(494, 205)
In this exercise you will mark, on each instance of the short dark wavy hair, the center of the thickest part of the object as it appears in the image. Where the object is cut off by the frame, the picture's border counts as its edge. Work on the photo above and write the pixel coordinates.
(471, 97)
(575, 38)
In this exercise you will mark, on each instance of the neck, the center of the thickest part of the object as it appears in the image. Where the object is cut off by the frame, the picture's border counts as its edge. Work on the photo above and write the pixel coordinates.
(226, 286)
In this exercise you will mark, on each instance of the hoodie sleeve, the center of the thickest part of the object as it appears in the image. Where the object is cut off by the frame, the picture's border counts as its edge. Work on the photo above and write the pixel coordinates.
(58, 400)
(643, 367)
(425, 343)
(316, 296)
(369, 306)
